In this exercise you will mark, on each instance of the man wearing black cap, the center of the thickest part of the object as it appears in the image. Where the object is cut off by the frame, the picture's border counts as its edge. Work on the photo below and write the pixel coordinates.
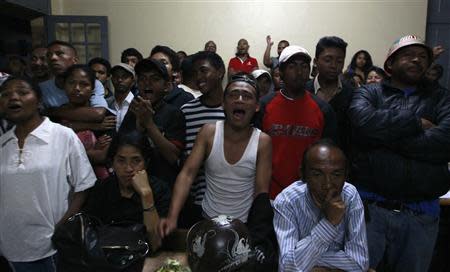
(401, 149)
(163, 123)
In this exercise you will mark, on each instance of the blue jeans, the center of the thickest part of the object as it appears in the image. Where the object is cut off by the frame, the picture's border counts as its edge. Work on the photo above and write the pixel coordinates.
(43, 265)
(400, 240)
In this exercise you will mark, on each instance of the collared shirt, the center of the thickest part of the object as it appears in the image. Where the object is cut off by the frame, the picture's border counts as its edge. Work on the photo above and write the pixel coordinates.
(120, 110)
(307, 239)
(317, 86)
(36, 184)
(53, 97)
(246, 66)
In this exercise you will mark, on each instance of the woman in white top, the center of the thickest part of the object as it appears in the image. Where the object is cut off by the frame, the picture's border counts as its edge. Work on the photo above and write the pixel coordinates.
(44, 172)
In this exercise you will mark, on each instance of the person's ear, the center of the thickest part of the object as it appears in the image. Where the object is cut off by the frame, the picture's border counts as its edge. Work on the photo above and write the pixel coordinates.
(315, 62)
(257, 106)
(389, 65)
(221, 73)
(167, 86)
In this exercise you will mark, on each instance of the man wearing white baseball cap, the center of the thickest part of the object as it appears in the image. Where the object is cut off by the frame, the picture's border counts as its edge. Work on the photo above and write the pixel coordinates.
(264, 82)
(401, 148)
(293, 118)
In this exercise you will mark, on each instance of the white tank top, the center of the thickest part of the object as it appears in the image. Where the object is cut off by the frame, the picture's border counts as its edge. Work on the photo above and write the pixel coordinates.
(230, 187)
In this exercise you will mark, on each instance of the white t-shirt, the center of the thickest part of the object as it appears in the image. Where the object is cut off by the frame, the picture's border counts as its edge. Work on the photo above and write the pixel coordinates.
(35, 188)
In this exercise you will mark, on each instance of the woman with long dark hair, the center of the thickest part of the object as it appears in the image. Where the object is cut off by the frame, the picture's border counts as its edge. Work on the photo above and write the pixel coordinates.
(361, 62)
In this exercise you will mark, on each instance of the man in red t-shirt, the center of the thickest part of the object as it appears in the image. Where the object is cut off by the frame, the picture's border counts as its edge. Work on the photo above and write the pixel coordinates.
(242, 62)
(293, 118)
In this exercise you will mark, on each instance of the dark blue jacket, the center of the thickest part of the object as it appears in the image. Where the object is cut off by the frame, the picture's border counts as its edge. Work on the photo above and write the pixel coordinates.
(393, 155)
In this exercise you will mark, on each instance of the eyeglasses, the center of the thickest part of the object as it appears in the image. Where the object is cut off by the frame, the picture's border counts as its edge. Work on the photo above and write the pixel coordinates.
(244, 95)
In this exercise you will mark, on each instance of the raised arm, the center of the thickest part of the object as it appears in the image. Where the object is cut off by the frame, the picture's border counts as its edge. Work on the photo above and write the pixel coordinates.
(186, 177)
(267, 60)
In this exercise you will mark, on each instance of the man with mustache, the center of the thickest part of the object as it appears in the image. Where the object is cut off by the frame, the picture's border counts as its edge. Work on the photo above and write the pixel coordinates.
(400, 153)
(319, 220)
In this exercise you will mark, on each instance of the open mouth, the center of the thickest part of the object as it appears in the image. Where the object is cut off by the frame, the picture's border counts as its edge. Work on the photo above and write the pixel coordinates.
(201, 84)
(239, 113)
(14, 107)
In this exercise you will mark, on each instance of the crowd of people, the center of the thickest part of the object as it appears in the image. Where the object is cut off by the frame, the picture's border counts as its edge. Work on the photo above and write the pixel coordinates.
(330, 170)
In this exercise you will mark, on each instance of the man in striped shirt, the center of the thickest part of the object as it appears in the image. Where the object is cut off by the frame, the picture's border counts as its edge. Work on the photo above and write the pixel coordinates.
(319, 221)
(209, 71)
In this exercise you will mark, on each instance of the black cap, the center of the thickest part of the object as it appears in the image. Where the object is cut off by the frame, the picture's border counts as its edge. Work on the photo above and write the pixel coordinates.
(146, 65)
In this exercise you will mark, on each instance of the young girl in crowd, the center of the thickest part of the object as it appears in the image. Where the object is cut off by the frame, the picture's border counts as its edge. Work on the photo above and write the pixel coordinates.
(44, 172)
(361, 62)
(130, 194)
(79, 82)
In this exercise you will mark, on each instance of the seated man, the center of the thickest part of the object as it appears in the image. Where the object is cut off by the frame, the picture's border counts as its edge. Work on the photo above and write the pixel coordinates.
(319, 221)
(236, 156)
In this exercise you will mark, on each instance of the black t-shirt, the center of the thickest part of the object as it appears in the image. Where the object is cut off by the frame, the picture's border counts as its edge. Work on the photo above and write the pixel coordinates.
(170, 122)
(105, 202)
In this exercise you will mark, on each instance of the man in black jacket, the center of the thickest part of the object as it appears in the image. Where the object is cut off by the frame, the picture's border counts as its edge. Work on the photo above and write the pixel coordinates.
(401, 148)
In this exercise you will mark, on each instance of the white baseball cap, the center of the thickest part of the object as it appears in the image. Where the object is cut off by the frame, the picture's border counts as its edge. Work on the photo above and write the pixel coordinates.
(292, 50)
(260, 72)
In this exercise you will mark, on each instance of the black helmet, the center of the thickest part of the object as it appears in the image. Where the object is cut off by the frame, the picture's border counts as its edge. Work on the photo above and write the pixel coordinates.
(220, 244)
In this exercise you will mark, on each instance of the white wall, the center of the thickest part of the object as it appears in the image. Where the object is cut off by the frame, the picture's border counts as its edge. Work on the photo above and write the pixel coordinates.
(187, 24)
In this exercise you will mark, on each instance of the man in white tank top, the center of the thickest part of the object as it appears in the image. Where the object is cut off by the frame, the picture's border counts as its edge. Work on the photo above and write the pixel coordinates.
(237, 159)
